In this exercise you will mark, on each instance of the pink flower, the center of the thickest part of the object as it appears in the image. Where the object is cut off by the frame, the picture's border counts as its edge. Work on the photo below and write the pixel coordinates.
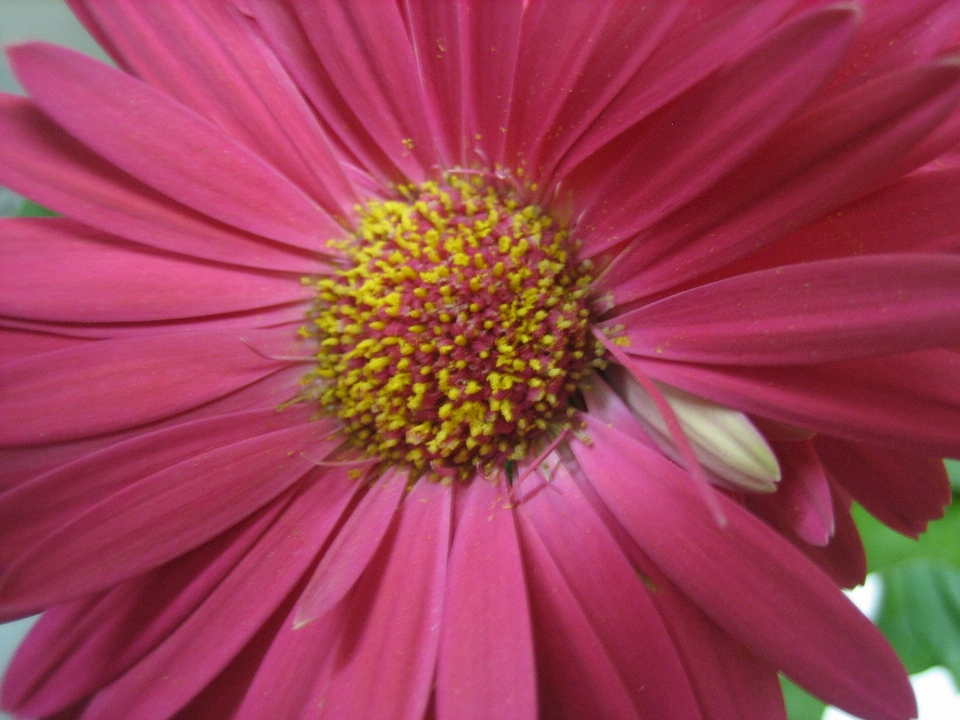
(611, 310)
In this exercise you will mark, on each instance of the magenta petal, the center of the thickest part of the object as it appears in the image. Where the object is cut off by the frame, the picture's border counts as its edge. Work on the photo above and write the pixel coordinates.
(111, 385)
(384, 666)
(181, 666)
(59, 270)
(601, 578)
(485, 666)
(207, 58)
(903, 490)
(78, 648)
(910, 401)
(130, 124)
(823, 311)
(19, 344)
(161, 516)
(352, 549)
(38, 507)
(784, 608)
(803, 494)
(577, 679)
(41, 161)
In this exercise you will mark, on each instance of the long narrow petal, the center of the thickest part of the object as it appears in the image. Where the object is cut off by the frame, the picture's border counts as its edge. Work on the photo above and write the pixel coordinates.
(910, 402)
(385, 665)
(207, 58)
(667, 161)
(131, 125)
(823, 311)
(180, 667)
(59, 270)
(485, 666)
(601, 578)
(160, 517)
(811, 166)
(352, 549)
(41, 161)
(904, 490)
(804, 494)
(106, 386)
(785, 610)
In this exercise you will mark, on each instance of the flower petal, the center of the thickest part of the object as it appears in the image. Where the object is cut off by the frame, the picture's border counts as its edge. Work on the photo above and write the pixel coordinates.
(43, 162)
(485, 665)
(785, 610)
(160, 517)
(385, 664)
(824, 311)
(182, 665)
(131, 124)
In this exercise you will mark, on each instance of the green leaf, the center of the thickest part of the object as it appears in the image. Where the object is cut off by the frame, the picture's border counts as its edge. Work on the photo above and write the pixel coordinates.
(800, 704)
(31, 209)
(920, 614)
(886, 548)
(953, 471)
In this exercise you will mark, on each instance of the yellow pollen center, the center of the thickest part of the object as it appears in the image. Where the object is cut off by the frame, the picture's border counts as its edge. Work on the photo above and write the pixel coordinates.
(459, 332)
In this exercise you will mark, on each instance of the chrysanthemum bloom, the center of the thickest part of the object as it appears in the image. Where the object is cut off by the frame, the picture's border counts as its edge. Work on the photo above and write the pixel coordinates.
(473, 359)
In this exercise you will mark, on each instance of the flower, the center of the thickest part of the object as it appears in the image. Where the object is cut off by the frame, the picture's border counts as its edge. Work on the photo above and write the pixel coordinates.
(475, 359)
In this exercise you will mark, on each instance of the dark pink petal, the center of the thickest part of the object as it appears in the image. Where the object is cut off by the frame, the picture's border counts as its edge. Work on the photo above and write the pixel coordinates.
(18, 344)
(668, 160)
(706, 35)
(815, 163)
(803, 494)
(206, 57)
(600, 577)
(574, 58)
(385, 662)
(161, 516)
(352, 549)
(61, 271)
(181, 666)
(485, 665)
(823, 311)
(365, 52)
(78, 648)
(131, 125)
(784, 609)
(844, 558)
(34, 509)
(41, 161)
(903, 490)
(577, 679)
(111, 385)
(910, 402)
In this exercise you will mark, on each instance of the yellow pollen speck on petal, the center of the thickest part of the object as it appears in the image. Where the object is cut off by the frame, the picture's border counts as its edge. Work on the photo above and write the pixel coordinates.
(458, 332)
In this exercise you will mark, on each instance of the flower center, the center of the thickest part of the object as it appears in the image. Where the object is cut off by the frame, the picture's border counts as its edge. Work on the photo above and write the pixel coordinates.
(459, 332)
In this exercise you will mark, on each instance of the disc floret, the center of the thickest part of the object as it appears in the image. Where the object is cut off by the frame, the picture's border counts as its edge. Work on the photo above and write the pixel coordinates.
(459, 332)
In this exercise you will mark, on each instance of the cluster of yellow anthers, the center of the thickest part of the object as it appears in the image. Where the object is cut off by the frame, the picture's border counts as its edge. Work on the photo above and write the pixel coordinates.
(458, 334)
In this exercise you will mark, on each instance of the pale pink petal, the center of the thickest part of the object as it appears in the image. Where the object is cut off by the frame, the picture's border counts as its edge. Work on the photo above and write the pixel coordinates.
(815, 163)
(34, 509)
(910, 402)
(822, 311)
(577, 679)
(131, 125)
(366, 54)
(180, 667)
(573, 59)
(352, 549)
(903, 490)
(78, 648)
(385, 663)
(61, 271)
(206, 57)
(668, 160)
(485, 665)
(706, 35)
(601, 578)
(784, 609)
(41, 161)
(182, 506)
(112, 385)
